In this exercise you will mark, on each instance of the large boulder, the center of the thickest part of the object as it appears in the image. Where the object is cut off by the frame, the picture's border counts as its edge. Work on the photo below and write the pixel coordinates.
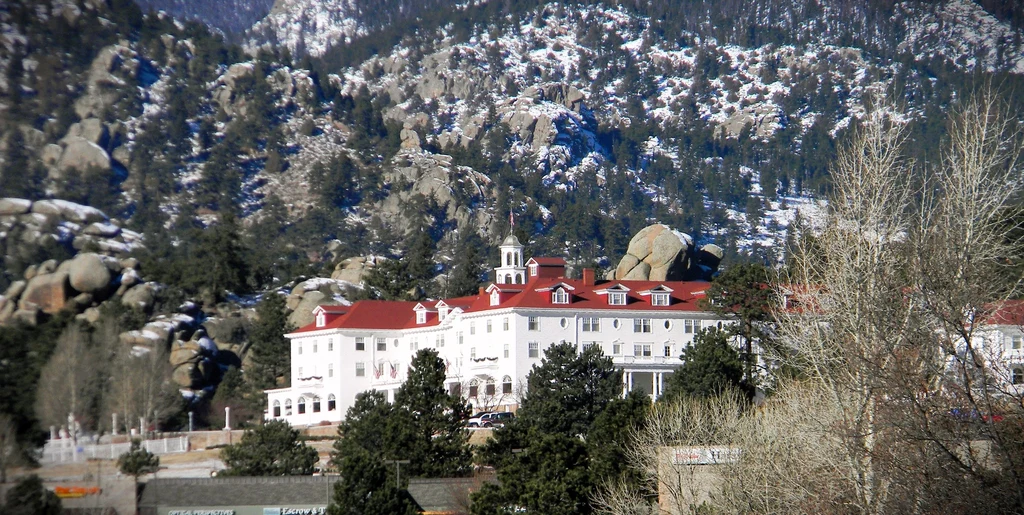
(81, 154)
(353, 269)
(47, 292)
(140, 296)
(14, 206)
(88, 273)
(659, 253)
(303, 314)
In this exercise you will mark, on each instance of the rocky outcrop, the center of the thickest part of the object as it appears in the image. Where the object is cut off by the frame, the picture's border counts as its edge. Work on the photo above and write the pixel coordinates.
(354, 269)
(659, 253)
(77, 284)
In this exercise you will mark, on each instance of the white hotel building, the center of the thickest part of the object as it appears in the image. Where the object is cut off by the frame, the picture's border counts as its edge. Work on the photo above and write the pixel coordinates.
(490, 341)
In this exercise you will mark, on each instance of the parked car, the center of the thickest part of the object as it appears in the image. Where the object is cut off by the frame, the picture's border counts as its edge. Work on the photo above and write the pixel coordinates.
(498, 419)
(477, 420)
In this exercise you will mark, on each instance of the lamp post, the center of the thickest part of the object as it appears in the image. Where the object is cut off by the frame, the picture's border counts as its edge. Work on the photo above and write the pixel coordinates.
(397, 464)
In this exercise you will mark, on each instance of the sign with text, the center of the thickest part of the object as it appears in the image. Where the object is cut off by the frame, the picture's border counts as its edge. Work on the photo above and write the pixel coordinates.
(711, 455)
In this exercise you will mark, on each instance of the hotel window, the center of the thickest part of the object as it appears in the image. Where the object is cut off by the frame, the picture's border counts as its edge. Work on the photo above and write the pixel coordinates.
(489, 389)
(668, 351)
(659, 299)
(488, 326)
(534, 349)
(314, 346)
(360, 343)
(332, 404)
(506, 385)
(617, 298)
(643, 350)
(591, 324)
(316, 404)
(472, 389)
(587, 345)
(421, 317)
(617, 349)
(360, 369)
(506, 350)
(300, 372)
(495, 298)
(533, 323)
(472, 328)
(300, 348)
(461, 338)
(302, 405)
(1015, 342)
(472, 353)
(504, 324)
(382, 345)
(560, 296)
(1018, 375)
(330, 345)
(641, 325)
(277, 409)
(455, 389)
(440, 340)
(287, 407)
(687, 326)
(330, 370)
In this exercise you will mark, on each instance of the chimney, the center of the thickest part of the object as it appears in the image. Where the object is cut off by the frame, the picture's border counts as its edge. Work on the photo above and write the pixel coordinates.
(482, 290)
(588, 277)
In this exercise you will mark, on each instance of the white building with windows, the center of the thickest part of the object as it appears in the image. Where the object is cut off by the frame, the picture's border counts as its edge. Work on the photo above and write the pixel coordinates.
(490, 341)
(1001, 341)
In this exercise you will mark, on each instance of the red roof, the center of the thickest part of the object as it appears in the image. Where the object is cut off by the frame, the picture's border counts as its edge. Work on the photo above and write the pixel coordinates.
(1009, 312)
(394, 315)
(547, 261)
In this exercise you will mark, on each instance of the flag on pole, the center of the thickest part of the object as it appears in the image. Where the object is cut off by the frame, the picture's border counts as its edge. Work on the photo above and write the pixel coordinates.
(378, 369)
(447, 364)
(511, 221)
(394, 371)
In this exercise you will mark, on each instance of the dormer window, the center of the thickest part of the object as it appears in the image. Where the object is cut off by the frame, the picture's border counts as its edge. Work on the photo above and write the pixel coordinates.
(321, 319)
(560, 296)
(616, 298)
(421, 317)
(659, 299)
(495, 298)
(534, 269)
(442, 311)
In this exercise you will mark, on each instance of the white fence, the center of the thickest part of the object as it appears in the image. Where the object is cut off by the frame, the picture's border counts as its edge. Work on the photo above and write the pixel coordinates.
(64, 451)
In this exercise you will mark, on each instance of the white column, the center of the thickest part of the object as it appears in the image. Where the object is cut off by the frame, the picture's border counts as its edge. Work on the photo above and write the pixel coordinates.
(227, 418)
(113, 424)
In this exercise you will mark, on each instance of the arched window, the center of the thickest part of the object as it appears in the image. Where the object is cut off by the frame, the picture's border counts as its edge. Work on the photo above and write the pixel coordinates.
(473, 385)
(302, 405)
(287, 407)
(506, 385)
(277, 409)
(508, 278)
(316, 404)
(332, 404)
(508, 259)
(489, 388)
(519, 278)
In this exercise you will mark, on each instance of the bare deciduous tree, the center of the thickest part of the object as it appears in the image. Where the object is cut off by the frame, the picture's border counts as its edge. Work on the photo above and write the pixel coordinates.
(68, 382)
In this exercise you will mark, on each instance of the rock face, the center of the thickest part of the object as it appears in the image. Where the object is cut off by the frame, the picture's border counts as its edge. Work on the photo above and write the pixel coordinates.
(659, 253)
